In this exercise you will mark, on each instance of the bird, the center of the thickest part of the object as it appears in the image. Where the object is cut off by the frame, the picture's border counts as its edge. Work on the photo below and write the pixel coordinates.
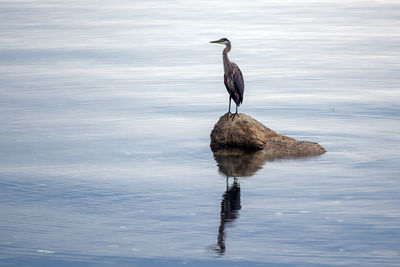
(233, 78)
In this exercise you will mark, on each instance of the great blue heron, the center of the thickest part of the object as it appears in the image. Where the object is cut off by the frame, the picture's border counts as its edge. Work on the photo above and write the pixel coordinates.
(233, 78)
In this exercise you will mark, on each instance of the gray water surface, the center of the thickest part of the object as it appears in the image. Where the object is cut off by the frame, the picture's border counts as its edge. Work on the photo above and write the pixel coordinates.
(106, 110)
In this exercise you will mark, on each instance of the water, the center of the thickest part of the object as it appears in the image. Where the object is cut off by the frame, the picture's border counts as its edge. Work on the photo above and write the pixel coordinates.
(106, 110)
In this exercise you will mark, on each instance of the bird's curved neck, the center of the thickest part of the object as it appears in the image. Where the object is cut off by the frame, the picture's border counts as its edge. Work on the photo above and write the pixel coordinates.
(227, 62)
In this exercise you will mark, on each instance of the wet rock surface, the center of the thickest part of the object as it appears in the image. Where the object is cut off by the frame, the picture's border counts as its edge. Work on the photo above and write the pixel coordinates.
(242, 134)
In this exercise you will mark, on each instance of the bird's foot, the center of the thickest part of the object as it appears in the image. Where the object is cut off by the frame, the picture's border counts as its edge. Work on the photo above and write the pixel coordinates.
(234, 114)
(228, 115)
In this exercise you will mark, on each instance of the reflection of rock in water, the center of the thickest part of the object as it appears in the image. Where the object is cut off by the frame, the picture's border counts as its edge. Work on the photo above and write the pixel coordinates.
(230, 205)
(244, 165)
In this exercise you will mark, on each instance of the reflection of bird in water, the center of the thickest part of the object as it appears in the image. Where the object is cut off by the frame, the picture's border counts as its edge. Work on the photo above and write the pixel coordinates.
(245, 165)
(230, 205)
(233, 78)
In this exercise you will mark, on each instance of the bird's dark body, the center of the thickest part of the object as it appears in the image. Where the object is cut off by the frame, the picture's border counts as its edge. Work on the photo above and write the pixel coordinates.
(234, 84)
(233, 78)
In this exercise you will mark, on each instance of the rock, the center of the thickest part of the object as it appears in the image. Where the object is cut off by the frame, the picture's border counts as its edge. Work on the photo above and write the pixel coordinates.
(243, 134)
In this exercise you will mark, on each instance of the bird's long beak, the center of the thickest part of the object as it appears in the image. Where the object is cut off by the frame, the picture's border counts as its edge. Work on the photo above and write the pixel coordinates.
(215, 42)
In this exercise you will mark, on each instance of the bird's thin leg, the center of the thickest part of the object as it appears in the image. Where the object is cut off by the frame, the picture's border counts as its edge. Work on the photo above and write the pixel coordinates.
(229, 110)
(235, 114)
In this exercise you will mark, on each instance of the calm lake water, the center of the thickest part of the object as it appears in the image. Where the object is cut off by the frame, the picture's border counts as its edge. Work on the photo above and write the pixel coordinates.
(106, 110)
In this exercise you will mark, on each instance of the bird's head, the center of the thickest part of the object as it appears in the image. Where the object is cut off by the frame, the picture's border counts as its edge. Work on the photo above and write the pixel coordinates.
(221, 41)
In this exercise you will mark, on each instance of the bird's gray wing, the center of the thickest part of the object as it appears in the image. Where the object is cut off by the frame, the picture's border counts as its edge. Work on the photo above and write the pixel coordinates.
(239, 82)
